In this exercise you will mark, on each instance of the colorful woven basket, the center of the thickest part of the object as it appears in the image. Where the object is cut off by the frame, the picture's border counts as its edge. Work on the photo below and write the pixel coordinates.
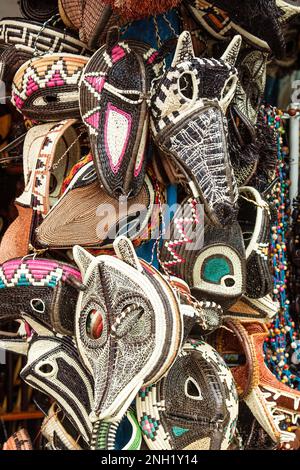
(46, 88)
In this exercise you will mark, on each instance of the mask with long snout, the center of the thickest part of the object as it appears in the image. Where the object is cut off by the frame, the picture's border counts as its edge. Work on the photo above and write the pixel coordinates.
(128, 326)
(189, 126)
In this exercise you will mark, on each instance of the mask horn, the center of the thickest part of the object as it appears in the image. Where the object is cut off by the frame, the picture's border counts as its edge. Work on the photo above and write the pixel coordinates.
(184, 50)
(18, 346)
(231, 54)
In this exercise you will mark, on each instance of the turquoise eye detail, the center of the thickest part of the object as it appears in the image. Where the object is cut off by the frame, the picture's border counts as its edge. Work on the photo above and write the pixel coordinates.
(215, 269)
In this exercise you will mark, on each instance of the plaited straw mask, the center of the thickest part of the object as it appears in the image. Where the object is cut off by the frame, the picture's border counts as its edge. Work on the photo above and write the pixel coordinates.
(189, 126)
(128, 326)
(194, 406)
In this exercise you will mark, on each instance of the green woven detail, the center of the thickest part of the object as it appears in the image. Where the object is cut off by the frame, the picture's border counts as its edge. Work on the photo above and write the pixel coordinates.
(215, 269)
(177, 431)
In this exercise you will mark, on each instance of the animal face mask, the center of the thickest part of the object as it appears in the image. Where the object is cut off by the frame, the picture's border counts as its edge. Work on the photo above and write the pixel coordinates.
(113, 101)
(189, 126)
(128, 326)
(194, 406)
(41, 288)
(214, 269)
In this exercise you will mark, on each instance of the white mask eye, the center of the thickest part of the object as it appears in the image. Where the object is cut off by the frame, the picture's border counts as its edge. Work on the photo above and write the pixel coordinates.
(38, 305)
(188, 86)
(228, 92)
(192, 389)
(46, 369)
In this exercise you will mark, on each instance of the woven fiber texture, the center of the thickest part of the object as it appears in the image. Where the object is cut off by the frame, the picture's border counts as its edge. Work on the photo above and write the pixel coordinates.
(85, 215)
(128, 309)
(257, 20)
(46, 88)
(20, 440)
(38, 10)
(188, 124)
(215, 269)
(195, 406)
(15, 242)
(29, 36)
(114, 93)
(135, 9)
(41, 289)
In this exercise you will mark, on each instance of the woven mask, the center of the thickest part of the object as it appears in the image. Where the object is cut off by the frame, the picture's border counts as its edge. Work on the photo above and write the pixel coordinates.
(128, 326)
(53, 367)
(41, 288)
(60, 433)
(46, 88)
(252, 69)
(11, 60)
(193, 407)
(189, 126)
(258, 21)
(29, 37)
(87, 216)
(124, 434)
(114, 106)
(49, 154)
(20, 440)
(135, 9)
(214, 269)
(254, 219)
(270, 401)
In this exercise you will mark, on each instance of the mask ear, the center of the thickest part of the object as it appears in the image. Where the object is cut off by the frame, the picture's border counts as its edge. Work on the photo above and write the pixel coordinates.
(125, 251)
(231, 54)
(184, 50)
(82, 258)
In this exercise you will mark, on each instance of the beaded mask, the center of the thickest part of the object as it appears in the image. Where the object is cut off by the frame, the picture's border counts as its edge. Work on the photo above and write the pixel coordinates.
(194, 406)
(86, 215)
(215, 269)
(114, 93)
(128, 326)
(46, 88)
(254, 219)
(42, 289)
(189, 126)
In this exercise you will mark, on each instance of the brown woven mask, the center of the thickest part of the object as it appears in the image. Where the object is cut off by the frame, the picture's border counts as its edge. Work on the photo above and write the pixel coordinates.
(270, 401)
(128, 326)
(195, 406)
(20, 440)
(37, 10)
(15, 242)
(46, 88)
(85, 215)
(214, 269)
(135, 9)
(189, 126)
(113, 103)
